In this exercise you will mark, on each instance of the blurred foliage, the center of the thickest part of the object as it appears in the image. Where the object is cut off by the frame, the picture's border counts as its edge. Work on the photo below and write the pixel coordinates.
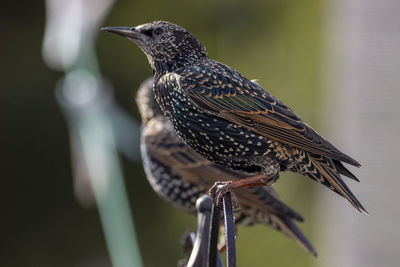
(276, 42)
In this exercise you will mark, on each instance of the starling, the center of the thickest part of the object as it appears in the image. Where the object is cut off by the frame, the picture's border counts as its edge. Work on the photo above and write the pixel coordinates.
(231, 120)
(180, 175)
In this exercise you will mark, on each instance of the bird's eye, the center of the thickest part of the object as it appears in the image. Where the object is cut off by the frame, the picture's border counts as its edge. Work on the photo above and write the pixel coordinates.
(158, 31)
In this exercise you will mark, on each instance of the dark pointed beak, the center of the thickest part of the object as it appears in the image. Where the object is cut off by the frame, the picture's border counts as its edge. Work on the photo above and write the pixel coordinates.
(128, 32)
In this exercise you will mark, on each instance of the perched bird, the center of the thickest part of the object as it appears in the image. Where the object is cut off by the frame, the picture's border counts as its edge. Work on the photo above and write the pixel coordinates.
(180, 175)
(230, 119)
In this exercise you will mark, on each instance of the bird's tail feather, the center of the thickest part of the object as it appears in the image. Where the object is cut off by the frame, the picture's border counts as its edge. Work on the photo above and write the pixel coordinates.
(343, 170)
(325, 171)
(266, 200)
(288, 227)
(281, 223)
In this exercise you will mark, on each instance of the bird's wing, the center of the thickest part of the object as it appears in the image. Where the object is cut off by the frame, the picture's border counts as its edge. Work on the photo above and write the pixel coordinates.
(219, 90)
(166, 147)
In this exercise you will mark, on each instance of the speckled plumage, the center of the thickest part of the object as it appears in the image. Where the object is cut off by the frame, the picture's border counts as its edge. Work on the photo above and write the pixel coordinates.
(180, 175)
(229, 119)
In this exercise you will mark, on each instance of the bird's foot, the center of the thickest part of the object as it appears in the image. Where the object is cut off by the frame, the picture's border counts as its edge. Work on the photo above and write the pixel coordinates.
(222, 246)
(220, 189)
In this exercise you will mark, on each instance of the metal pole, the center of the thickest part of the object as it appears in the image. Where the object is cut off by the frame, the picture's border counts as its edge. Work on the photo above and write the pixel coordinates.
(229, 231)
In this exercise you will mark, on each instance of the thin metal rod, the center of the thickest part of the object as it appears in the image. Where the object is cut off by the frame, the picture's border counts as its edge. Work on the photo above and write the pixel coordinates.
(213, 248)
(229, 231)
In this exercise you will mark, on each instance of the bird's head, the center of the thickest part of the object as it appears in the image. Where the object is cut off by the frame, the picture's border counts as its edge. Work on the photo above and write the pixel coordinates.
(166, 45)
(145, 100)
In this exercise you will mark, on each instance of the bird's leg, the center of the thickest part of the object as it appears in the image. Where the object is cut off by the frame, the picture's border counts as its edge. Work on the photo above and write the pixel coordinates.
(219, 189)
(222, 240)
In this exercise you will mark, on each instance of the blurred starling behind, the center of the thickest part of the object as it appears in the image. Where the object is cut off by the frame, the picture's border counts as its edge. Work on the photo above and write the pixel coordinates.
(180, 175)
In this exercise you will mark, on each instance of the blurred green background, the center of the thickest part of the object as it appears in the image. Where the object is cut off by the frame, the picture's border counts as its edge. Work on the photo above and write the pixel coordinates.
(276, 42)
